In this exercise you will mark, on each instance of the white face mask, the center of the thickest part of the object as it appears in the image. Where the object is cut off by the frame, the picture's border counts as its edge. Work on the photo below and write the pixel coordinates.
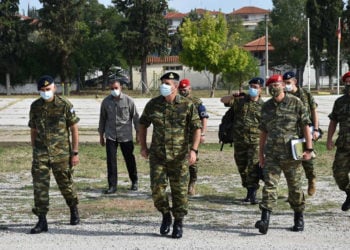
(165, 89)
(288, 87)
(115, 92)
(46, 95)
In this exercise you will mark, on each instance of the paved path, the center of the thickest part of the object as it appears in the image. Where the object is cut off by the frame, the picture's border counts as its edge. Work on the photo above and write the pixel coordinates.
(14, 115)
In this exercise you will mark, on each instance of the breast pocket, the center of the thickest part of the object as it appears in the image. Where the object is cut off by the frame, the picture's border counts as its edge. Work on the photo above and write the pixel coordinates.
(123, 114)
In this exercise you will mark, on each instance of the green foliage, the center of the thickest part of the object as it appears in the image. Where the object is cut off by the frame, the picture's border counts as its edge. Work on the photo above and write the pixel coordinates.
(208, 45)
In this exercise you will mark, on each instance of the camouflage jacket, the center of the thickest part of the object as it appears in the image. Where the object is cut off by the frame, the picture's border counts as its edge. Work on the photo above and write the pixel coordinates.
(307, 99)
(172, 123)
(52, 121)
(341, 114)
(247, 115)
(282, 122)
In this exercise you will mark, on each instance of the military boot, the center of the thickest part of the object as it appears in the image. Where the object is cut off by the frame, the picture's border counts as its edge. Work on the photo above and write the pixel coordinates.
(74, 215)
(166, 223)
(252, 198)
(247, 198)
(298, 222)
(177, 229)
(346, 204)
(41, 226)
(311, 190)
(263, 224)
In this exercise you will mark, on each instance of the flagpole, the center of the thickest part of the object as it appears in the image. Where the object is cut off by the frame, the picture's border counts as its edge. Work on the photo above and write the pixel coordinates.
(338, 55)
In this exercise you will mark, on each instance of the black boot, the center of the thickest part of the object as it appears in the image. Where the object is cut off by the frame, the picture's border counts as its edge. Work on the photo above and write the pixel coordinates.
(247, 198)
(298, 222)
(166, 223)
(177, 229)
(346, 204)
(41, 226)
(263, 224)
(74, 215)
(253, 199)
(111, 190)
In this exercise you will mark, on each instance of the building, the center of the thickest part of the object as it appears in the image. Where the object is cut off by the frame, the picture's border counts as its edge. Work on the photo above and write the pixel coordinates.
(250, 16)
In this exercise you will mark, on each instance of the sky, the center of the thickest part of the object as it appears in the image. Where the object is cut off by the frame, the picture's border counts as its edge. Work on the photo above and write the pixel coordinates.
(183, 6)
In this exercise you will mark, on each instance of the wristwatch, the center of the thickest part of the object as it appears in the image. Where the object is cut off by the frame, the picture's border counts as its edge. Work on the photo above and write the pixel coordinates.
(309, 150)
(194, 150)
(75, 153)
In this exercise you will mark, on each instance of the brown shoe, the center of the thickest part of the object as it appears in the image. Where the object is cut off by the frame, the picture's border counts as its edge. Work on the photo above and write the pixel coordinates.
(311, 190)
(191, 188)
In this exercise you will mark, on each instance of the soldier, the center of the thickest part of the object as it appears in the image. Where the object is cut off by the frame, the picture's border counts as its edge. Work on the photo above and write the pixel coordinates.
(117, 113)
(247, 114)
(340, 114)
(311, 105)
(173, 117)
(185, 90)
(51, 121)
(283, 118)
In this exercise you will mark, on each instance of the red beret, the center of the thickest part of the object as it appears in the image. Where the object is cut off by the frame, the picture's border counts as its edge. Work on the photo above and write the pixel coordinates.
(274, 78)
(346, 75)
(184, 83)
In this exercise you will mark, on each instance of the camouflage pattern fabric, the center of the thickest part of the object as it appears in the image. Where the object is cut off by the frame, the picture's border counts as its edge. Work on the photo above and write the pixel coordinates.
(52, 150)
(282, 122)
(341, 167)
(246, 139)
(310, 104)
(172, 123)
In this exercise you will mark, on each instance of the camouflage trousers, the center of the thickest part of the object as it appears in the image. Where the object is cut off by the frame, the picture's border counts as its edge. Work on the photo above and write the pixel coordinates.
(341, 169)
(176, 174)
(292, 171)
(309, 169)
(246, 157)
(63, 174)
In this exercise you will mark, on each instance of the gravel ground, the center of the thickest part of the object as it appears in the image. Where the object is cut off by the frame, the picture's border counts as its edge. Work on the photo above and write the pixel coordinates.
(226, 225)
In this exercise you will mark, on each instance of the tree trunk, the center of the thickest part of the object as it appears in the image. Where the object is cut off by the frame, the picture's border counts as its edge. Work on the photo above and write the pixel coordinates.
(8, 84)
(213, 86)
(131, 78)
(144, 83)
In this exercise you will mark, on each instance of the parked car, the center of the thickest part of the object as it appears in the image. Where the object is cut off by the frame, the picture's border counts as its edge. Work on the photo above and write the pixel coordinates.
(123, 79)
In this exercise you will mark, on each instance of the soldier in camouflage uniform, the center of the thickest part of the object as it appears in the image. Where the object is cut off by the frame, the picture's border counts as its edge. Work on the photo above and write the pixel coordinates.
(172, 117)
(341, 166)
(185, 90)
(247, 113)
(283, 118)
(311, 105)
(51, 121)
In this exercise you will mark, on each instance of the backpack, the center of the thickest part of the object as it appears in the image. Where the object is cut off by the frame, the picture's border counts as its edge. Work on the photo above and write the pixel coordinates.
(226, 128)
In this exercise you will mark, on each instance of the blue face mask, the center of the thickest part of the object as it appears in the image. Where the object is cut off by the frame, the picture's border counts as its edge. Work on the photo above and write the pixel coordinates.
(115, 92)
(165, 89)
(46, 95)
(253, 92)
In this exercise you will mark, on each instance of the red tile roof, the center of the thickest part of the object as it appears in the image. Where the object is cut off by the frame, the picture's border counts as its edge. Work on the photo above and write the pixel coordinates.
(258, 45)
(250, 10)
(162, 60)
(175, 15)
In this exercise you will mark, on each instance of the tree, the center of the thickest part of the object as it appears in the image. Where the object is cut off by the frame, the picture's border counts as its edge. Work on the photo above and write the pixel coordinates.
(146, 31)
(12, 41)
(60, 31)
(345, 33)
(206, 48)
(288, 34)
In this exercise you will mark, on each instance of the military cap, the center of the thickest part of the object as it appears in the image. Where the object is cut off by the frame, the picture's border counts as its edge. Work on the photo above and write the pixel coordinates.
(171, 76)
(184, 83)
(274, 78)
(346, 75)
(44, 81)
(288, 75)
(257, 80)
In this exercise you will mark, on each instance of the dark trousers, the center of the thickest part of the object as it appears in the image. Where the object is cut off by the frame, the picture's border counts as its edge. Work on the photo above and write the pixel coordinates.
(127, 149)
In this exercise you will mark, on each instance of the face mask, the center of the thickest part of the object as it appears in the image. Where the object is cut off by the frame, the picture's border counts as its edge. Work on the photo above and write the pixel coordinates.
(288, 87)
(253, 92)
(184, 92)
(275, 91)
(46, 95)
(115, 92)
(165, 89)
